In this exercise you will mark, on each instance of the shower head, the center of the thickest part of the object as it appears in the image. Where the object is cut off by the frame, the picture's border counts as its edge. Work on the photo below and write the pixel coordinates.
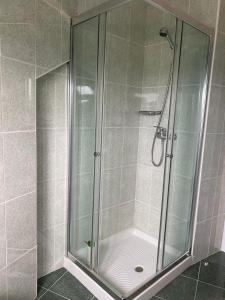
(165, 34)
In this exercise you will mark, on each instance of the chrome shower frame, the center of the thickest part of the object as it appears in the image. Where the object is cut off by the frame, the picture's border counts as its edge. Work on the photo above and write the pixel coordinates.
(173, 270)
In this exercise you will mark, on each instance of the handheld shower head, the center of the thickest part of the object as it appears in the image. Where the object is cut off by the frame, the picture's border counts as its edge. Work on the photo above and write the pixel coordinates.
(165, 34)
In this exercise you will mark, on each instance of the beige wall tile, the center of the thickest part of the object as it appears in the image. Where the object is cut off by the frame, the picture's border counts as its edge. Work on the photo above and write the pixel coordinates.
(181, 4)
(204, 10)
(116, 59)
(202, 236)
(18, 104)
(21, 277)
(112, 154)
(216, 234)
(18, 41)
(207, 199)
(212, 152)
(45, 252)
(48, 45)
(19, 164)
(3, 284)
(69, 7)
(2, 237)
(111, 187)
(22, 11)
(1, 170)
(219, 63)
(21, 215)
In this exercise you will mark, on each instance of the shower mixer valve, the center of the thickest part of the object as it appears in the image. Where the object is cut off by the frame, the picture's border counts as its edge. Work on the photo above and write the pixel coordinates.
(161, 133)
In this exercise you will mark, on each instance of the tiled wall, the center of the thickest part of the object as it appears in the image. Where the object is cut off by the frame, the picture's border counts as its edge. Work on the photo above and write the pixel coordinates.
(204, 11)
(51, 168)
(211, 212)
(124, 71)
(34, 37)
(156, 68)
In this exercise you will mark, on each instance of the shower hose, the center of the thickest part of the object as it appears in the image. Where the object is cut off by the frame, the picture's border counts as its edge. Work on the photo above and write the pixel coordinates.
(168, 87)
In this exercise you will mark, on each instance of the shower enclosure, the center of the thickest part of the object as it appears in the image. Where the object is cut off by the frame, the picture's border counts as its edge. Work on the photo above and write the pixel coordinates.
(138, 102)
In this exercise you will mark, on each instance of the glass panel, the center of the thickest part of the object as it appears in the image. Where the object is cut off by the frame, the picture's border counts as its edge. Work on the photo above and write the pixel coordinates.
(188, 116)
(137, 71)
(85, 59)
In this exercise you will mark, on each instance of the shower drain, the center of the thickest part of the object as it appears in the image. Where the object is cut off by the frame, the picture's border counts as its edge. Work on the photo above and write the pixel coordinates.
(139, 269)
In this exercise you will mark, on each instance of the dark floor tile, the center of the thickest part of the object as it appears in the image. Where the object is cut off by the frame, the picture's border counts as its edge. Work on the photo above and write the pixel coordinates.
(193, 271)
(208, 292)
(182, 288)
(40, 291)
(212, 270)
(218, 258)
(51, 296)
(48, 280)
(71, 288)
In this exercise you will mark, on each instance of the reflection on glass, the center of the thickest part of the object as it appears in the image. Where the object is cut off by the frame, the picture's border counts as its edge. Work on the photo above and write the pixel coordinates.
(193, 64)
(83, 138)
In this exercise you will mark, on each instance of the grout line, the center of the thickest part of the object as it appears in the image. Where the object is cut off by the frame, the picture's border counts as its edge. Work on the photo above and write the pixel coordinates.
(16, 23)
(18, 60)
(212, 285)
(21, 196)
(49, 70)
(63, 297)
(196, 290)
(199, 269)
(210, 219)
(20, 257)
(18, 131)
(43, 293)
(188, 277)
(58, 9)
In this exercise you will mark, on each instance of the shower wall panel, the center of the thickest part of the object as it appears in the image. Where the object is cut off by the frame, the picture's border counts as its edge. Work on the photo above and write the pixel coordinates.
(123, 87)
(51, 168)
(157, 60)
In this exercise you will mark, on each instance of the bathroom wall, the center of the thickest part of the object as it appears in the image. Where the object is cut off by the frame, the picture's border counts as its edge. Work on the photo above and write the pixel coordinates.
(34, 38)
(211, 212)
(51, 168)
(204, 11)
(157, 60)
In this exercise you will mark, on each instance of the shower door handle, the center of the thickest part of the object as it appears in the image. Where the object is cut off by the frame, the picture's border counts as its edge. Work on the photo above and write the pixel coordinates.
(169, 156)
(97, 154)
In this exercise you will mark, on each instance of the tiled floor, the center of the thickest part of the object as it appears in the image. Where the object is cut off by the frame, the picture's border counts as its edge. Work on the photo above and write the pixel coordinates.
(203, 281)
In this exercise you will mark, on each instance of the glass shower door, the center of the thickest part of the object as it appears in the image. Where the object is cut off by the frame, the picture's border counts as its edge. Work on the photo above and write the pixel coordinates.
(121, 72)
(138, 59)
(187, 125)
(83, 139)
